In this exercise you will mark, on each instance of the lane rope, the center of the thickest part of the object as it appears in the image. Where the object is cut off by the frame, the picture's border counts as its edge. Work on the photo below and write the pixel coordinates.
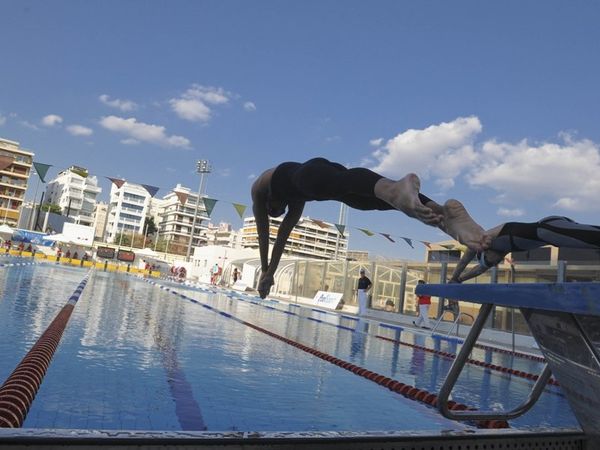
(20, 388)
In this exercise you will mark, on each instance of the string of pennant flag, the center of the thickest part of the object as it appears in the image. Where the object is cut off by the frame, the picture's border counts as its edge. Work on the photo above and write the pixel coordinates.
(209, 205)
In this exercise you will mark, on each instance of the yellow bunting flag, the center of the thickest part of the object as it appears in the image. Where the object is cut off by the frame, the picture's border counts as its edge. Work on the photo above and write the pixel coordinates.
(240, 209)
(367, 232)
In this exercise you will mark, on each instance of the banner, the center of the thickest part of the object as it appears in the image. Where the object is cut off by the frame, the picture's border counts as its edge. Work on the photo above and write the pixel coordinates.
(340, 229)
(182, 196)
(387, 236)
(118, 182)
(6, 161)
(240, 209)
(41, 169)
(367, 232)
(152, 190)
(327, 299)
(209, 205)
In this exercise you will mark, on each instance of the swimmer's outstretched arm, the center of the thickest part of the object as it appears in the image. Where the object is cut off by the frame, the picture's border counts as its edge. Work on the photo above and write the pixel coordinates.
(260, 190)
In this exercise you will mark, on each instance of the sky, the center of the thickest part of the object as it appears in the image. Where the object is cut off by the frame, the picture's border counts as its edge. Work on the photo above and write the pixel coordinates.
(496, 104)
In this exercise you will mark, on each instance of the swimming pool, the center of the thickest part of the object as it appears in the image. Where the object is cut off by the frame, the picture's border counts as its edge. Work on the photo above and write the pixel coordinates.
(137, 357)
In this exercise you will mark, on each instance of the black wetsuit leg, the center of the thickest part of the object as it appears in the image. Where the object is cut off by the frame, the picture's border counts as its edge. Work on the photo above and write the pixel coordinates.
(321, 179)
(557, 231)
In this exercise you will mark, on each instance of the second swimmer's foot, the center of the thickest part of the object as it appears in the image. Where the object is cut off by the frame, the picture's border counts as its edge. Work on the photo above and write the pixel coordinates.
(461, 226)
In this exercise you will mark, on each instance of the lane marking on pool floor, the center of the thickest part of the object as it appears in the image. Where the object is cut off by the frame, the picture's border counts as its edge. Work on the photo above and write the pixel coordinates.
(406, 390)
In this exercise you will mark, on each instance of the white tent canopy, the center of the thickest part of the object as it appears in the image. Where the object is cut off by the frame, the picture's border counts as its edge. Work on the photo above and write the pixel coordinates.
(6, 231)
(146, 252)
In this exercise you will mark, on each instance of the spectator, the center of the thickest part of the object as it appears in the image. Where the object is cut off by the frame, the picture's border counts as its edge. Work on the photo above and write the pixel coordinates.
(364, 285)
(424, 301)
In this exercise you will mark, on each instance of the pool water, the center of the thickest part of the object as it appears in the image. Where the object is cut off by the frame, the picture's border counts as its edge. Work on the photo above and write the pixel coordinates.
(137, 357)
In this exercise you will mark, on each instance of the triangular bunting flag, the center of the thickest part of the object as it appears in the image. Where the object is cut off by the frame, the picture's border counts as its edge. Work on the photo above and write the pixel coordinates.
(426, 244)
(340, 229)
(387, 236)
(447, 246)
(367, 232)
(41, 169)
(6, 161)
(182, 196)
(240, 209)
(209, 205)
(320, 223)
(152, 190)
(118, 182)
(408, 241)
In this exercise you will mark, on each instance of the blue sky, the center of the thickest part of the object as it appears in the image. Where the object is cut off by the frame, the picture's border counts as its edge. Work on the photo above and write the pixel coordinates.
(496, 104)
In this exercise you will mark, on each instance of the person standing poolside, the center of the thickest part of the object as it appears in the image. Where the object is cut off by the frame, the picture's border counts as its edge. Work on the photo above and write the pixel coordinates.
(291, 184)
(521, 236)
(364, 285)
(424, 302)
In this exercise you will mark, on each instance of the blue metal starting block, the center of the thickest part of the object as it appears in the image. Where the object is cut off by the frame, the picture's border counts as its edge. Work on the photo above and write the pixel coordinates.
(564, 318)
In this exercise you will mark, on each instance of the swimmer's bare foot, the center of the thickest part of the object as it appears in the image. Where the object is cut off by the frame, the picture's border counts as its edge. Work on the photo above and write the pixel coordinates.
(404, 196)
(461, 226)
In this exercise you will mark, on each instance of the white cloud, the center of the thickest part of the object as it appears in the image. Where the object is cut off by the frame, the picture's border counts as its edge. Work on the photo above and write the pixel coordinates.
(563, 174)
(441, 151)
(129, 141)
(196, 103)
(143, 132)
(376, 142)
(123, 105)
(249, 106)
(29, 125)
(2, 120)
(506, 212)
(51, 120)
(79, 130)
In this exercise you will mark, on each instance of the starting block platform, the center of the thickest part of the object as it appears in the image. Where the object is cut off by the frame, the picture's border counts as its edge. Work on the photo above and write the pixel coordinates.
(564, 318)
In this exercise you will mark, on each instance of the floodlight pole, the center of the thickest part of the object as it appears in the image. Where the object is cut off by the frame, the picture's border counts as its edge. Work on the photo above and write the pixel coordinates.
(202, 167)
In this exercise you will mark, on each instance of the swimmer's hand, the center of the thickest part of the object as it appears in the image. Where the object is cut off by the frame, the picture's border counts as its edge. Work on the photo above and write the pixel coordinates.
(264, 285)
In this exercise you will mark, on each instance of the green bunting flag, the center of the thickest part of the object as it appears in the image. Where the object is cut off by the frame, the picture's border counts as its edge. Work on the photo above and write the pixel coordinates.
(41, 169)
(240, 209)
(209, 205)
(340, 229)
(367, 232)
(447, 246)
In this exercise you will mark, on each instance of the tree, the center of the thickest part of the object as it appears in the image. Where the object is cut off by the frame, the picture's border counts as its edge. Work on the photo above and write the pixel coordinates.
(53, 208)
(149, 226)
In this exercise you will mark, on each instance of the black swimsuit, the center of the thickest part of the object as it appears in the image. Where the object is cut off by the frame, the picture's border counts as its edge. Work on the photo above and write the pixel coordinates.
(319, 179)
(553, 230)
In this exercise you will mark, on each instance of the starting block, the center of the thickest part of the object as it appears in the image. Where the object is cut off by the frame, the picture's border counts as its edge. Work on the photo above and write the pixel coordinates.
(564, 318)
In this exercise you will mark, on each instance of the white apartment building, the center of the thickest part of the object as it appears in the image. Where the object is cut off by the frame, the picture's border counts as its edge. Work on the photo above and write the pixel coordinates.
(223, 235)
(127, 210)
(13, 180)
(176, 217)
(75, 191)
(308, 239)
